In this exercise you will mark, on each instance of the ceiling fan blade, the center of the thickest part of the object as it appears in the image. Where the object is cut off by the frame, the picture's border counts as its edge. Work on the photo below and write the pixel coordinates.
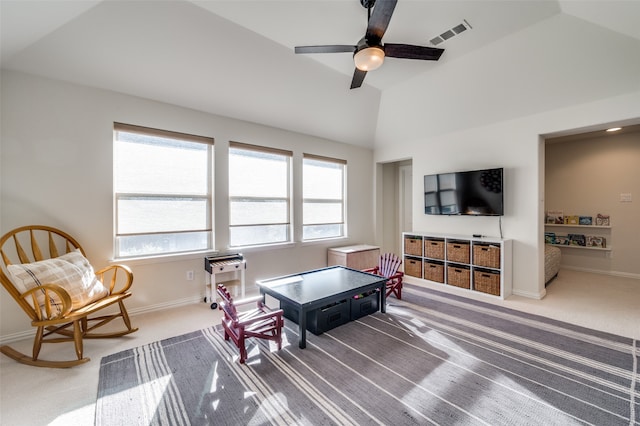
(358, 78)
(379, 21)
(330, 48)
(409, 51)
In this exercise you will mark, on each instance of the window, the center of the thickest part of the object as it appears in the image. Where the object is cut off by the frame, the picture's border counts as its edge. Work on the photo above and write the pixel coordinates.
(259, 195)
(163, 195)
(323, 197)
(440, 194)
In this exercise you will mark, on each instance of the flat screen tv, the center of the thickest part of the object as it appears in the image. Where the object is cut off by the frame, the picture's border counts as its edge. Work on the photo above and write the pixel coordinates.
(476, 193)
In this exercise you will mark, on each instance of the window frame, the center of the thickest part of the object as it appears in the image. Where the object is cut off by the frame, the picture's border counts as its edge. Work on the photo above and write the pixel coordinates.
(208, 197)
(342, 201)
(288, 199)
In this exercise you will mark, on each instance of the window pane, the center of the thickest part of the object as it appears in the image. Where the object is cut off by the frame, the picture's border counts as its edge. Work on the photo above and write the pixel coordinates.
(323, 199)
(430, 183)
(154, 165)
(259, 211)
(258, 174)
(259, 188)
(253, 235)
(162, 191)
(431, 203)
(141, 245)
(448, 197)
(447, 181)
(143, 214)
(322, 180)
(315, 213)
(314, 232)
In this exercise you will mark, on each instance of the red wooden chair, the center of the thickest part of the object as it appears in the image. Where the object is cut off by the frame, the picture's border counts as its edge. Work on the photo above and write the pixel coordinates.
(260, 322)
(388, 265)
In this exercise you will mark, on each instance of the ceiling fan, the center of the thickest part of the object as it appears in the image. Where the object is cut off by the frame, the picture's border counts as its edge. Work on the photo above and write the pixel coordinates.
(369, 53)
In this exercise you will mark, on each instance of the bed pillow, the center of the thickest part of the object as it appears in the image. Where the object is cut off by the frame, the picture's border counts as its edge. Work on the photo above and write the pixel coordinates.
(71, 271)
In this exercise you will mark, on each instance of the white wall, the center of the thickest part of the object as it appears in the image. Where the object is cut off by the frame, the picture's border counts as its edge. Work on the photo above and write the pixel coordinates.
(57, 143)
(514, 145)
(490, 108)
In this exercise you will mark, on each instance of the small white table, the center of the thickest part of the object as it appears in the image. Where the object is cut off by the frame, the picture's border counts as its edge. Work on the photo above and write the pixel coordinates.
(235, 266)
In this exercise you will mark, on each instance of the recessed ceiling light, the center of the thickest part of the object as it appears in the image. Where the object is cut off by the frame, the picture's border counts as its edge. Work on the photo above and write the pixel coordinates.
(614, 129)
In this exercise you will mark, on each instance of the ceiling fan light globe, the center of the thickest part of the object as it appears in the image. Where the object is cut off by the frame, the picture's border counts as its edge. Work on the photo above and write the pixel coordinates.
(369, 59)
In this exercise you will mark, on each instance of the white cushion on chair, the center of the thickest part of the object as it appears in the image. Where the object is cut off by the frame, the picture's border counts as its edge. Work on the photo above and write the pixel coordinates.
(71, 271)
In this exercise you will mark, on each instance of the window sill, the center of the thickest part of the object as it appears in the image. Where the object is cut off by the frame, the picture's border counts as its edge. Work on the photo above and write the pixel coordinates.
(180, 257)
(164, 258)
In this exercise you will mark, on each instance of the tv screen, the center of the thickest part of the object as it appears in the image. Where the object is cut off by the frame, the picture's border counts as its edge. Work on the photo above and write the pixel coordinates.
(476, 192)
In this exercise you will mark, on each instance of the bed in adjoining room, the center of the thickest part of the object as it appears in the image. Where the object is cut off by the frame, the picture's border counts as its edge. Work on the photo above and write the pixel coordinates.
(552, 256)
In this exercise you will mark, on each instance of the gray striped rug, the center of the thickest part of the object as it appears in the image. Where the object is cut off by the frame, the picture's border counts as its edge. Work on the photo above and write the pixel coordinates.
(433, 358)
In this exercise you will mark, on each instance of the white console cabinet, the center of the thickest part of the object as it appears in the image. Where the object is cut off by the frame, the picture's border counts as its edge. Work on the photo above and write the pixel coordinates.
(477, 264)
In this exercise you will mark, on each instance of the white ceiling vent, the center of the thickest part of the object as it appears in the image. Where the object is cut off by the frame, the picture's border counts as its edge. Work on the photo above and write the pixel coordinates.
(464, 26)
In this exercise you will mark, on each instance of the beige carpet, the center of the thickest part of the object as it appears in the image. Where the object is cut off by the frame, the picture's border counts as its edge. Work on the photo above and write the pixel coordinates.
(36, 396)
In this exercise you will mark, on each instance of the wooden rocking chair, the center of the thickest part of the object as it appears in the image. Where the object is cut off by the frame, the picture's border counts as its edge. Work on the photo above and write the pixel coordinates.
(260, 322)
(60, 291)
(388, 265)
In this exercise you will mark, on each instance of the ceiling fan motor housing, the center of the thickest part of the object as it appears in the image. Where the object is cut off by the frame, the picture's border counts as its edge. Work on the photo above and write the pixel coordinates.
(367, 4)
(365, 43)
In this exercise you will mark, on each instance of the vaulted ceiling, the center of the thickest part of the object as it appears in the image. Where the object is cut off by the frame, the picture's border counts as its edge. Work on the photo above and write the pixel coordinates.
(236, 58)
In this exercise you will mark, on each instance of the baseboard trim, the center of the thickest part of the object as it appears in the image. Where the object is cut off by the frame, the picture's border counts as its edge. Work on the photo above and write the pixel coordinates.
(601, 272)
(13, 337)
(471, 294)
(530, 295)
(165, 305)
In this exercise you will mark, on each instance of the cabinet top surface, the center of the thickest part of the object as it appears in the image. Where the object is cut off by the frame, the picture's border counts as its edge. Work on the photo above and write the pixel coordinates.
(485, 239)
(354, 248)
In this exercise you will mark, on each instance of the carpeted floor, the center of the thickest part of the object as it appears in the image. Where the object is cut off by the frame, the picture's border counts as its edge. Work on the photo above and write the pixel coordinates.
(433, 358)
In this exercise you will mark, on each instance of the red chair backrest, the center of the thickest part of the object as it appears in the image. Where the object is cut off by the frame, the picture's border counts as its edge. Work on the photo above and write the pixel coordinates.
(388, 264)
(227, 302)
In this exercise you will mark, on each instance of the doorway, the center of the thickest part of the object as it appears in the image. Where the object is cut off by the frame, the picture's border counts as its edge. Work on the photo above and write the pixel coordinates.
(405, 201)
(395, 207)
(589, 180)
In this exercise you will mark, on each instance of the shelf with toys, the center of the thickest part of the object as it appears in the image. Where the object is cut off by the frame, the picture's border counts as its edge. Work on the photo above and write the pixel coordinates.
(599, 237)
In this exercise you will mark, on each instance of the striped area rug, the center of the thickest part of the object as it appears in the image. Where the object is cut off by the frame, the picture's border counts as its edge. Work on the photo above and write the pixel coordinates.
(433, 358)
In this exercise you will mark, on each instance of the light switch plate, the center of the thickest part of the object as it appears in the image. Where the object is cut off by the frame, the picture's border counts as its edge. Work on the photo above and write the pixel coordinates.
(625, 197)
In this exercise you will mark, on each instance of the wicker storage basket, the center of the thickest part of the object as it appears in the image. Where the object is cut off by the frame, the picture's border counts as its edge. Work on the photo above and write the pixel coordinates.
(458, 276)
(486, 255)
(434, 249)
(413, 267)
(487, 282)
(458, 251)
(434, 271)
(413, 245)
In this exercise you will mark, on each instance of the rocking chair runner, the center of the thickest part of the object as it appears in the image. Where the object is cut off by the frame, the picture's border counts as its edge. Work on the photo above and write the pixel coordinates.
(260, 322)
(60, 310)
(388, 265)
